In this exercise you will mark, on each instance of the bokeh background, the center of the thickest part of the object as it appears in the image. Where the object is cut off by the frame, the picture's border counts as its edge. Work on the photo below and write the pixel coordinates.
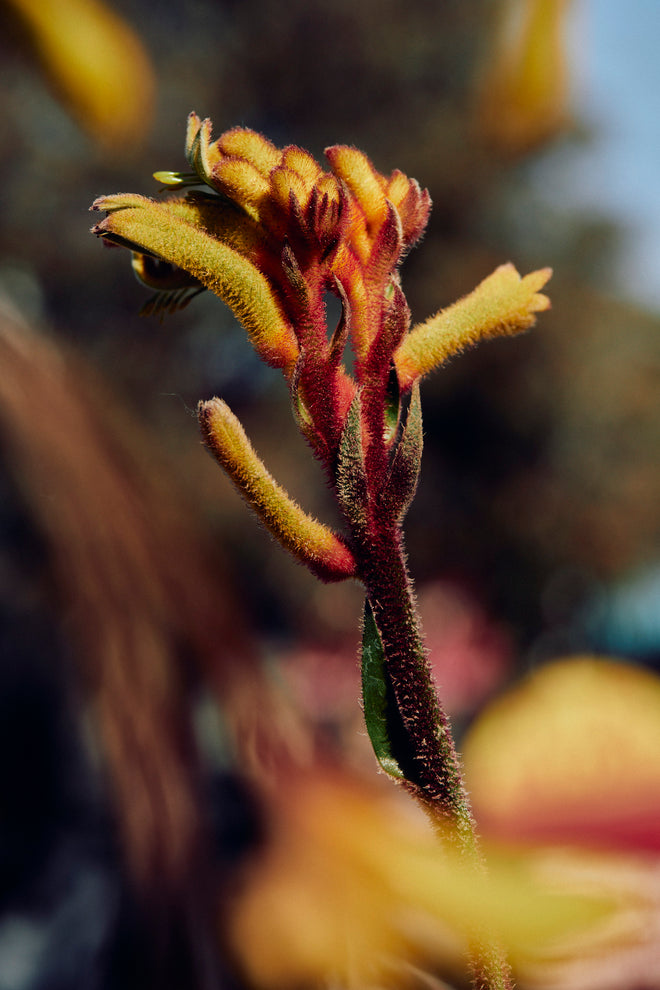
(147, 622)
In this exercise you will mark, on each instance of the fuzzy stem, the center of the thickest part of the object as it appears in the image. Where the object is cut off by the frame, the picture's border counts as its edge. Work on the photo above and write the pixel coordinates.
(423, 742)
(428, 754)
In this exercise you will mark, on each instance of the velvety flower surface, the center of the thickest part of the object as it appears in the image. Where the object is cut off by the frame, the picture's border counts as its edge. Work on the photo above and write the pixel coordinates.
(271, 232)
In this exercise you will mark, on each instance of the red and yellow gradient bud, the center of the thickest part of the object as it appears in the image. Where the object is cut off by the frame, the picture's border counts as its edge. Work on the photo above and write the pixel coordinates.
(354, 168)
(312, 543)
(285, 183)
(241, 182)
(300, 161)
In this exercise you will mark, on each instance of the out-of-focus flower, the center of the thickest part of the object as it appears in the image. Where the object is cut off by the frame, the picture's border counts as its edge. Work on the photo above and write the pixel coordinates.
(565, 769)
(571, 755)
(524, 90)
(352, 888)
(95, 63)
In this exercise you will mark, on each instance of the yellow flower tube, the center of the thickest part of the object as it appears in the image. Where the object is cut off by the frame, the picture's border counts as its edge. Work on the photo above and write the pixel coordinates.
(502, 305)
(309, 541)
(158, 228)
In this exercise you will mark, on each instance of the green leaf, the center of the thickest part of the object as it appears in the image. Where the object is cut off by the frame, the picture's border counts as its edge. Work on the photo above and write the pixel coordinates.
(392, 408)
(376, 694)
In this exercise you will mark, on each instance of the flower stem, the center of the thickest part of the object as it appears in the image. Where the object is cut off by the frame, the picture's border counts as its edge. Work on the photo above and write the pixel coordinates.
(420, 732)
(424, 744)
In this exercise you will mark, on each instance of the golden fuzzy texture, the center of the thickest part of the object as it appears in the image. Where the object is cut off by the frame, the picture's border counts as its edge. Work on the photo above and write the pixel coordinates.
(303, 163)
(160, 230)
(502, 305)
(308, 540)
(242, 183)
(241, 142)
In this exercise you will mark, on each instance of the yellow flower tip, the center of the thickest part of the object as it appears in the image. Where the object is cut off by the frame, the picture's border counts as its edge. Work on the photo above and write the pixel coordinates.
(535, 281)
(309, 541)
(301, 162)
(201, 153)
(118, 201)
(192, 130)
(504, 304)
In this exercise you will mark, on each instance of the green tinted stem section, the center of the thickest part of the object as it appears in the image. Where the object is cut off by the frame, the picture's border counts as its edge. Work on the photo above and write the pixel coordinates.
(424, 745)
(419, 745)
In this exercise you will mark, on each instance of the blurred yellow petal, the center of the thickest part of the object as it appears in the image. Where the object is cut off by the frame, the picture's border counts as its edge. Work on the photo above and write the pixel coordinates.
(571, 755)
(524, 91)
(96, 64)
(502, 305)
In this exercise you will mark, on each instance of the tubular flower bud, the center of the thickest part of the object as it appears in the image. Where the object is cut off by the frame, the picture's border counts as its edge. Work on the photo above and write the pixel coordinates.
(309, 541)
(161, 230)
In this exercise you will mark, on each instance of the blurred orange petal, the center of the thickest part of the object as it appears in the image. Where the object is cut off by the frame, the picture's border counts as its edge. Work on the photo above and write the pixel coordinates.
(354, 885)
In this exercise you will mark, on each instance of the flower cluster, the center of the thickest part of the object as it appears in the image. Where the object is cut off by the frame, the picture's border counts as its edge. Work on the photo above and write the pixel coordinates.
(271, 233)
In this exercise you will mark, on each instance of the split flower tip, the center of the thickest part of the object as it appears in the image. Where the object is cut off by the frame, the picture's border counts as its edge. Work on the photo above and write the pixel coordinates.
(308, 540)
(502, 305)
